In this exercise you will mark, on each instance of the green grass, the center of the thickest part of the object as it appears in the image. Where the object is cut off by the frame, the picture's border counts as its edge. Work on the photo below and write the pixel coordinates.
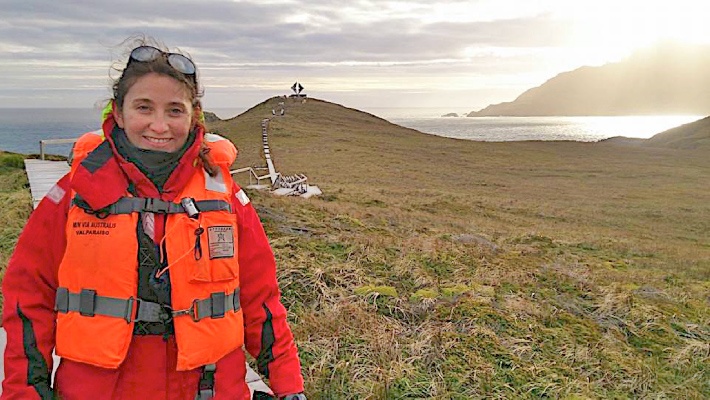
(449, 269)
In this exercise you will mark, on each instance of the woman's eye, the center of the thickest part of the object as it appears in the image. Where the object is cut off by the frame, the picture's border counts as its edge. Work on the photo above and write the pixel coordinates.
(176, 111)
(143, 108)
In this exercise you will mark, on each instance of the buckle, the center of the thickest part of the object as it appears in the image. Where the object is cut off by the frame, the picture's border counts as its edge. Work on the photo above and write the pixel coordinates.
(218, 305)
(156, 206)
(191, 311)
(87, 302)
(61, 302)
(131, 306)
(149, 311)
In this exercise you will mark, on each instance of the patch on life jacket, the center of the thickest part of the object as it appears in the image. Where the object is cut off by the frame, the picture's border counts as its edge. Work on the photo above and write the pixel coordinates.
(220, 241)
(242, 197)
(56, 194)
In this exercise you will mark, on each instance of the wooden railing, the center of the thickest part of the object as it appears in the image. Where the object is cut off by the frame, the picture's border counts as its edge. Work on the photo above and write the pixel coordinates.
(44, 142)
(253, 176)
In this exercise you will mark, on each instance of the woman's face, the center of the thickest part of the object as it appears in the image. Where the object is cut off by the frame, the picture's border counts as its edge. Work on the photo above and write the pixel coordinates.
(157, 113)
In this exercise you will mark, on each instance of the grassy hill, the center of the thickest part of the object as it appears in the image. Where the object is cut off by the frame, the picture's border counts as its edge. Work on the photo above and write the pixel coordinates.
(695, 135)
(443, 268)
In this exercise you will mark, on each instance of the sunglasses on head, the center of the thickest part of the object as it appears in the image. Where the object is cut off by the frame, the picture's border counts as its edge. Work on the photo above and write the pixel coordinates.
(178, 61)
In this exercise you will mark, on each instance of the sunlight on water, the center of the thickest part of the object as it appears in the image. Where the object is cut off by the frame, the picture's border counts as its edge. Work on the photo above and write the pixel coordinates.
(634, 126)
(584, 129)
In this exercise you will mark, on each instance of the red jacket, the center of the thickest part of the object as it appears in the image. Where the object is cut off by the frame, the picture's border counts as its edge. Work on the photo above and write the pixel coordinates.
(149, 370)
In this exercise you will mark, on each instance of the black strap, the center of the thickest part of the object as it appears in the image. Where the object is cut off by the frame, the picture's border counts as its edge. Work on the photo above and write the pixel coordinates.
(259, 395)
(205, 389)
(127, 205)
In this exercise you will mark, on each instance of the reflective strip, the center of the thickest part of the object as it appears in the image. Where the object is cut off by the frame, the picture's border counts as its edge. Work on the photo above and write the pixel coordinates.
(215, 183)
(242, 197)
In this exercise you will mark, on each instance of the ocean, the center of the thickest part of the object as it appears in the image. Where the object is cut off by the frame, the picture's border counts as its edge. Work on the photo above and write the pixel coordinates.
(22, 129)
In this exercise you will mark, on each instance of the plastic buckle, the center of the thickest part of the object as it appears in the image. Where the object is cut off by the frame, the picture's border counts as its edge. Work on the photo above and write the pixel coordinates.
(156, 206)
(188, 204)
(129, 314)
(218, 306)
(61, 302)
(195, 311)
(87, 302)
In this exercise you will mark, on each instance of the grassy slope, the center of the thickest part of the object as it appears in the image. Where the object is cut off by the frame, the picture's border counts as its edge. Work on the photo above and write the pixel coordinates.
(695, 135)
(442, 268)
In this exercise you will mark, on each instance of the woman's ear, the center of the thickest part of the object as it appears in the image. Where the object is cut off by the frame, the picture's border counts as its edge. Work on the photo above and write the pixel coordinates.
(117, 116)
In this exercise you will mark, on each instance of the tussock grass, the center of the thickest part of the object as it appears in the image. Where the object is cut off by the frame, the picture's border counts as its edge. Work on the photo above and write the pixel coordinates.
(16, 204)
(441, 268)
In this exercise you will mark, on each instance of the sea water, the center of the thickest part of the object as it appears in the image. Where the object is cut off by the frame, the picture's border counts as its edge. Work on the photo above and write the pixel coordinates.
(22, 129)
(502, 129)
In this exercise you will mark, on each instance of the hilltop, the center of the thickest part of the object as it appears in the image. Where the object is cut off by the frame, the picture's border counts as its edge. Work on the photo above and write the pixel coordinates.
(668, 79)
(443, 268)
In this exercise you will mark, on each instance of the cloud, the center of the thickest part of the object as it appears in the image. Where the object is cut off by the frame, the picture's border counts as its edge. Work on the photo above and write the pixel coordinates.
(239, 44)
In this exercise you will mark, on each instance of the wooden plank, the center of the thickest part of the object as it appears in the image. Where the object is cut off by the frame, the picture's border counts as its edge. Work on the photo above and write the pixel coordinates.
(43, 175)
(58, 141)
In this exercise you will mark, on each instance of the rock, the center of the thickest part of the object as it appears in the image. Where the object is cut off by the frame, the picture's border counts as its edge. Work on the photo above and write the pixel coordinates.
(475, 239)
(211, 117)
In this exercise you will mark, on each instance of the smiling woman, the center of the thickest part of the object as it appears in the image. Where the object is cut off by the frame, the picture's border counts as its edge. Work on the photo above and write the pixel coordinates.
(147, 269)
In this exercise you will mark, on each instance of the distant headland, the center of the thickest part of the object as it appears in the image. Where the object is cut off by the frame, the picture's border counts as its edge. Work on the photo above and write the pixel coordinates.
(665, 80)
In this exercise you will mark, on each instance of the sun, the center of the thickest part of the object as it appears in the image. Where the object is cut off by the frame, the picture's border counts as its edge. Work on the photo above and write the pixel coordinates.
(611, 29)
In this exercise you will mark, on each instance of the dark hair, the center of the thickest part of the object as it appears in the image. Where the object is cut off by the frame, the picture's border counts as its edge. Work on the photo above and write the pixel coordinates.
(135, 70)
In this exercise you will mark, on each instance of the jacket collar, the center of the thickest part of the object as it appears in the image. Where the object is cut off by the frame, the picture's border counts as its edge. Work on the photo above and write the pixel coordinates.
(104, 175)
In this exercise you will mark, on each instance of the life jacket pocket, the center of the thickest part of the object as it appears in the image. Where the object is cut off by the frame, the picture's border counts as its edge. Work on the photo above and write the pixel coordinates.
(214, 243)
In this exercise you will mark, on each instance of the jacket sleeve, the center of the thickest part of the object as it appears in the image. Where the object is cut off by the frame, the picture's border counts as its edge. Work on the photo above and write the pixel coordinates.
(268, 337)
(29, 288)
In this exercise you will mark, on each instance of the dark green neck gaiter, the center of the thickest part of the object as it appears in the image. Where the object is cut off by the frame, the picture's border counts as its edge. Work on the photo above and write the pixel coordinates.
(156, 165)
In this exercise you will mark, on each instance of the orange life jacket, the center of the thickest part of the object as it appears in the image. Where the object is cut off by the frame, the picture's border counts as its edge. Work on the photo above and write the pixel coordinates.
(97, 300)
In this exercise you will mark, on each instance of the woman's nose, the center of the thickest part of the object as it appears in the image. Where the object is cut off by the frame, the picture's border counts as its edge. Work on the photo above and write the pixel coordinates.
(159, 123)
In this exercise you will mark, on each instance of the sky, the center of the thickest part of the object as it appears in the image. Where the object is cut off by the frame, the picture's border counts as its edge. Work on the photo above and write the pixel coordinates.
(462, 55)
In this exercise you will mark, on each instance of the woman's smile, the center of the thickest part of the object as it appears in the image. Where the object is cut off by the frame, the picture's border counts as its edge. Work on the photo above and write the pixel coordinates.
(157, 113)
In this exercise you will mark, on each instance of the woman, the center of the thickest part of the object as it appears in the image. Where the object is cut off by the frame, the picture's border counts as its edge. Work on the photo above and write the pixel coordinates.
(146, 266)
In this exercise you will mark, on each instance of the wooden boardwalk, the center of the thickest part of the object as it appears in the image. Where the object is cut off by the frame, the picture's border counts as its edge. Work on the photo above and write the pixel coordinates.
(43, 175)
